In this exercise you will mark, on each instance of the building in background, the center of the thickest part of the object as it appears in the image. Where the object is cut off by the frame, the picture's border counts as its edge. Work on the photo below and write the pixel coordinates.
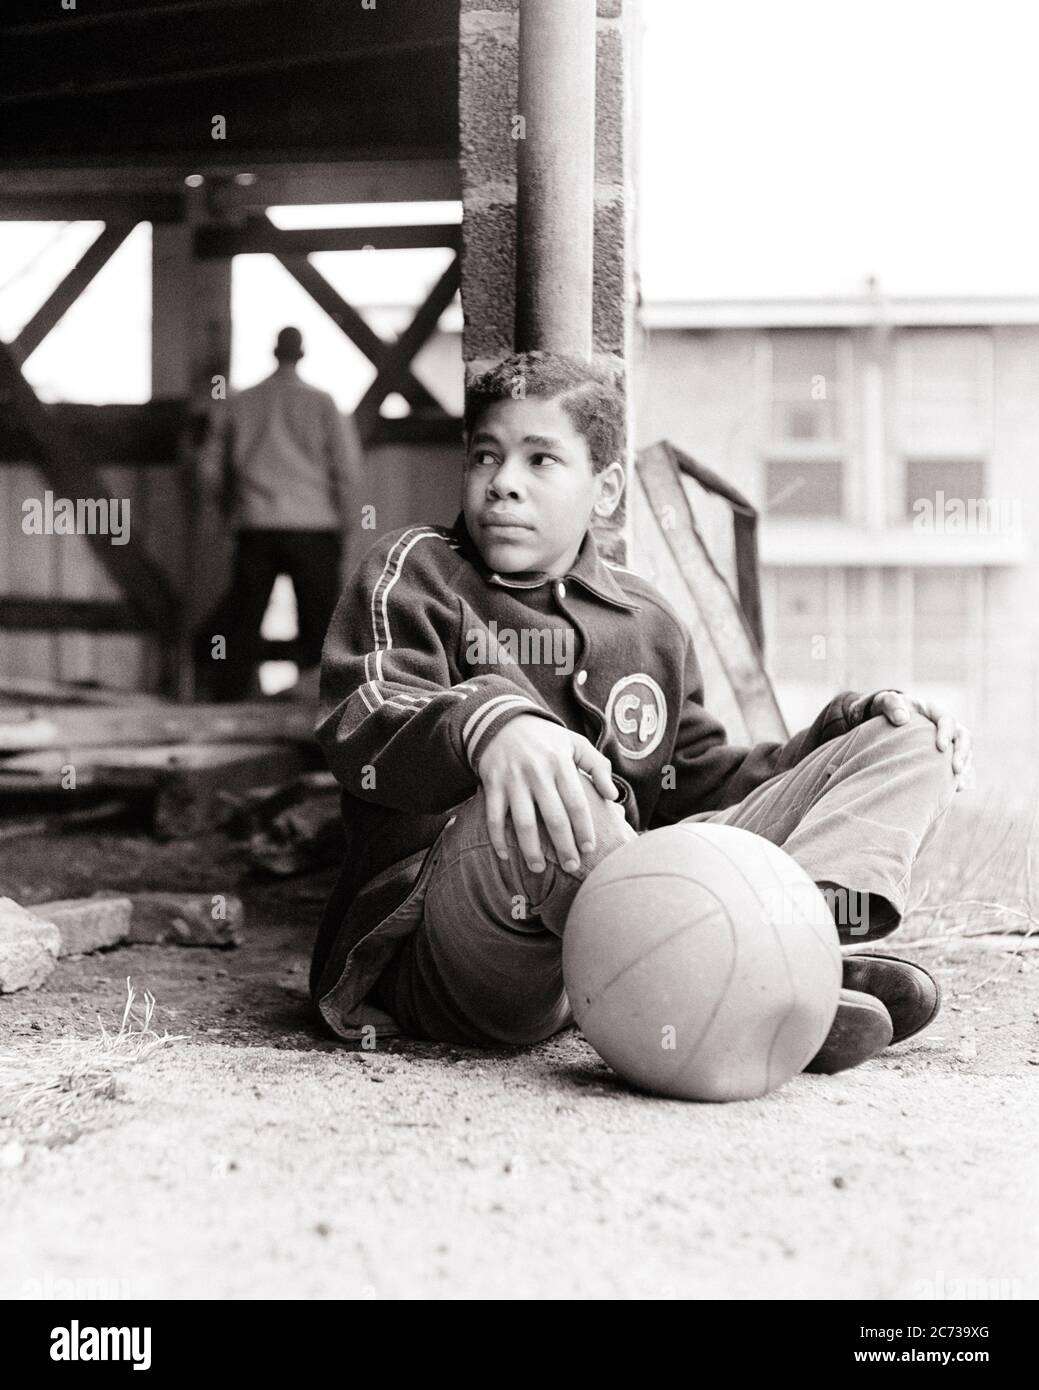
(891, 449)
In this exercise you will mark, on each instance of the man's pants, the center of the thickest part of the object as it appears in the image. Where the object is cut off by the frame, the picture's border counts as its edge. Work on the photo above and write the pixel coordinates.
(311, 560)
(485, 965)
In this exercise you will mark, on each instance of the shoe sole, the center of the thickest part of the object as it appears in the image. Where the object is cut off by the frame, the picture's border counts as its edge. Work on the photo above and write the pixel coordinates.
(861, 1030)
(899, 1037)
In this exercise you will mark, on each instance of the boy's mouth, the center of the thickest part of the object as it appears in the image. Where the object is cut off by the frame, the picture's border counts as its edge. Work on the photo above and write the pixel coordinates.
(504, 524)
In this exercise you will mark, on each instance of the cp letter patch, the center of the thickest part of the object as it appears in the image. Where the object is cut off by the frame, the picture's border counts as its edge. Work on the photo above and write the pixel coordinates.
(636, 712)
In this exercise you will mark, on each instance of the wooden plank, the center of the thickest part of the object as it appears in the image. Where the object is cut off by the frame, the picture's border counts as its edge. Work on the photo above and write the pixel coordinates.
(711, 609)
(40, 727)
(71, 472)
(67, 291)
(193, 800)
(58, 614)
(258, 235)
(91, 207)
(142, 190)
(17, 690)
(141, 435)
(192, 785)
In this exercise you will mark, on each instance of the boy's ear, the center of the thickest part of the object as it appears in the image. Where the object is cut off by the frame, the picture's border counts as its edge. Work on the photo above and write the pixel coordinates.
(610, 488)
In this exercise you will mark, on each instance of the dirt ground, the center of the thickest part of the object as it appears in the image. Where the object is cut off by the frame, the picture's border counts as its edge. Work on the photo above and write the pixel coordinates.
(257, 1159)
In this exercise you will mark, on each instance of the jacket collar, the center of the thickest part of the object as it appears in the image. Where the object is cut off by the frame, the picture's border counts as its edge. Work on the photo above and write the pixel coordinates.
(588, 570)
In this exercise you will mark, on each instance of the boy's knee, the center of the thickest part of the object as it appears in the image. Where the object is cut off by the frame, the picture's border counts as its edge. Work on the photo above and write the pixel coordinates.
(609, 822)
(916, 740)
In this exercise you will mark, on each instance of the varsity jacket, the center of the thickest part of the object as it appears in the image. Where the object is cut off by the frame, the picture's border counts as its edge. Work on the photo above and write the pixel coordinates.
(430, 654)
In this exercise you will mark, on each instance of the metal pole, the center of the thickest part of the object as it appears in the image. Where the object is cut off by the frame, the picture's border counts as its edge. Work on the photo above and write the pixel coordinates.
(555, 194)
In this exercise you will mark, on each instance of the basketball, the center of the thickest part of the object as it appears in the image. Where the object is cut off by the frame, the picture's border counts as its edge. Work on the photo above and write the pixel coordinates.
(701, 962)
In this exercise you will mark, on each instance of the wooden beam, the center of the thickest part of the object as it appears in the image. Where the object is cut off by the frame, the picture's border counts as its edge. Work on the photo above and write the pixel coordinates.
(400, 355)
(361, 181)
(67, 614)
(258, 235)
(27, 727)
(114, 190)
(356, 328)
(138, 435)
(71, 472)
(64, 295)
(91, 207)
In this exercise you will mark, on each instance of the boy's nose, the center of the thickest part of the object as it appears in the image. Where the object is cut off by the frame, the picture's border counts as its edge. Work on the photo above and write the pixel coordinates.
(505, 483)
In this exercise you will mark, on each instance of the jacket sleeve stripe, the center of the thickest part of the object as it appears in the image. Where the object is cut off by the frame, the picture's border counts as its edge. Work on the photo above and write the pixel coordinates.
(479, 722)
(391, 572)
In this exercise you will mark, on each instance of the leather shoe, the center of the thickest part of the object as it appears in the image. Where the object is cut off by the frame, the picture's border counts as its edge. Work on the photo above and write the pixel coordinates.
(861, 1030)
(911, 996)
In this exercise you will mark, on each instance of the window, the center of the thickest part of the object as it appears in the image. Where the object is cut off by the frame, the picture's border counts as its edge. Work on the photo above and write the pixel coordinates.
(805, 464)
(958, 479)
(945, 391)
(805, 387)
(811, 487)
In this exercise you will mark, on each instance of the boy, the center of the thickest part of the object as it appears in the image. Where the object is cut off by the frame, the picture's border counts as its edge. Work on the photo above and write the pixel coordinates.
(503, 708)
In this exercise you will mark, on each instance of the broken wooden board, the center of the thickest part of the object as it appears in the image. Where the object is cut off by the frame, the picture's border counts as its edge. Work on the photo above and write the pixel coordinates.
(291, 829)
(19, 690)
(28, 727)
(670, 551)
(188, 780)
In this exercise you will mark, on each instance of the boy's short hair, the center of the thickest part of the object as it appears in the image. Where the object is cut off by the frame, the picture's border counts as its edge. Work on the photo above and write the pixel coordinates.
(588, 393)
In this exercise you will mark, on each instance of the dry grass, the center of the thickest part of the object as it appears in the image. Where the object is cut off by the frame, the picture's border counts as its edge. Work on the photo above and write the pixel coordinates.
(978, 880)
(61, 1089)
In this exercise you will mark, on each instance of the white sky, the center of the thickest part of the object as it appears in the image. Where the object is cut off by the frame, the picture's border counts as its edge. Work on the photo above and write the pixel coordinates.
(794, 147)
(789, 147)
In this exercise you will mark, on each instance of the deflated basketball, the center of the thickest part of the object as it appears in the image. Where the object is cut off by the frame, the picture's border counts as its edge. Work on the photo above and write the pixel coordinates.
(702, 962)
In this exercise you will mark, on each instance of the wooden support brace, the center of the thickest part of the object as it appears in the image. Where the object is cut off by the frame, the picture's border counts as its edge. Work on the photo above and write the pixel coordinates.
(258, 235)
(397, 360)
(73, 475)
(63, 296)
(356, 328)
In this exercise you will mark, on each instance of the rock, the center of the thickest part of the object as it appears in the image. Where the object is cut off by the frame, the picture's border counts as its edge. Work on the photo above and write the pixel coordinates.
(87, 924)
(187, 919)
(28, 948)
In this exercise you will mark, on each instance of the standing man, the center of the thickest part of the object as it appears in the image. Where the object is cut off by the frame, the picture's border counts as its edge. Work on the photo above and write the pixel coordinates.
(286, 467)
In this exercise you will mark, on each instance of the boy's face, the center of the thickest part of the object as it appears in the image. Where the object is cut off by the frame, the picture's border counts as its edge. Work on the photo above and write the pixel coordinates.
(530, 489)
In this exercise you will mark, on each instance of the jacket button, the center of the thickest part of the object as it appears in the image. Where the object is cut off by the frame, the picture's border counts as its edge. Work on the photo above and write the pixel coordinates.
(560, 590)
(582, 676)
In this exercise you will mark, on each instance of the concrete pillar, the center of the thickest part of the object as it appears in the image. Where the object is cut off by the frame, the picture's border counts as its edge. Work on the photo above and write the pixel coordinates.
(491, 131)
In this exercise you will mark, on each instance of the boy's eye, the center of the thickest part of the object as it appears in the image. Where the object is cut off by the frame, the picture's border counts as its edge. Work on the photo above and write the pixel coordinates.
(482, 457)
(543, 458)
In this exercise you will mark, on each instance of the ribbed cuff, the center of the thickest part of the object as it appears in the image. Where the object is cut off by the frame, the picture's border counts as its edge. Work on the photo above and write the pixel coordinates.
(482, 723)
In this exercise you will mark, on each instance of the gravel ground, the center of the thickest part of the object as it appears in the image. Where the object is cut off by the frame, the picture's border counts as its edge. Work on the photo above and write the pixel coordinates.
(256, 1158)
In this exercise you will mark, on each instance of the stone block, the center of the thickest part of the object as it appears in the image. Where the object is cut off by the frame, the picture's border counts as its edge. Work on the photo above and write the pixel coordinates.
(489, 280)
(187, 919)
(87, 924)
(28, 948)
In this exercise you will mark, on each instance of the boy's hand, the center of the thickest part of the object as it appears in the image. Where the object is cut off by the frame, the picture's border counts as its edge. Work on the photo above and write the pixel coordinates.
(897, 707)
(532, 766)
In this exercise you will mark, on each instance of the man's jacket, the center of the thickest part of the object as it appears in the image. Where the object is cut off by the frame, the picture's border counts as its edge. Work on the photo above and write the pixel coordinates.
(281, 457)
(430, 654)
